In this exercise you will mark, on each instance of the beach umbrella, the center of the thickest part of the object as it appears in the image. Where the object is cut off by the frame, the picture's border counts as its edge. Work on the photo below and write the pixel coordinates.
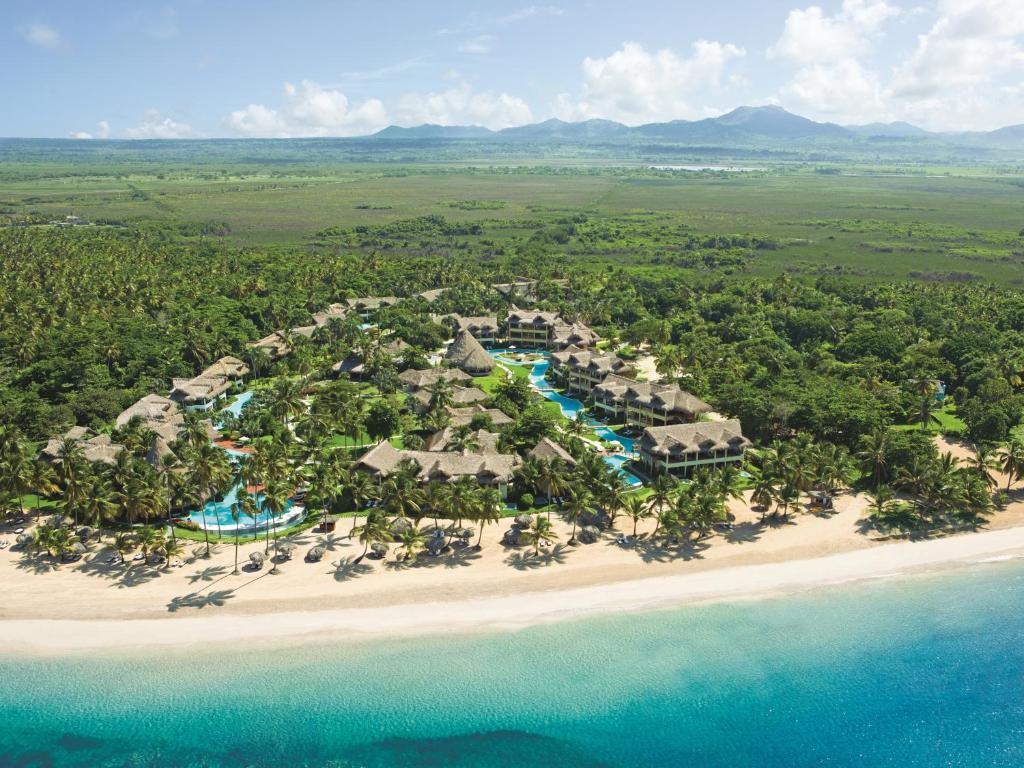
(523, 521)
(25, 540)
(315, 554)
(379, 549)
(400, 526)
(256, 558)
(286, 548)
(589, 534)
(85, 533)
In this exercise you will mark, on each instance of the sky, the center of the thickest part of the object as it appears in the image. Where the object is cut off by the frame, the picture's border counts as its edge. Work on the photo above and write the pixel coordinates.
(255, 68)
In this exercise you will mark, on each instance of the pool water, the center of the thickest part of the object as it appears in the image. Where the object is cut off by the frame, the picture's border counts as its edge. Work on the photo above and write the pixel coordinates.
(217, 515)
(238, 403)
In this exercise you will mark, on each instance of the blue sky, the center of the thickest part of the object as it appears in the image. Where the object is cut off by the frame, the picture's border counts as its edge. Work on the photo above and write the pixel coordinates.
(259, 68)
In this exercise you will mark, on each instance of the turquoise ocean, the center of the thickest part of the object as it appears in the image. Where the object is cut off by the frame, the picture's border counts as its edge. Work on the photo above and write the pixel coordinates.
(914, 671)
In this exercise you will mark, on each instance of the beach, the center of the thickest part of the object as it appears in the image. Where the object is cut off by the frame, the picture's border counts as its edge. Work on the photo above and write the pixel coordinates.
(90, 605)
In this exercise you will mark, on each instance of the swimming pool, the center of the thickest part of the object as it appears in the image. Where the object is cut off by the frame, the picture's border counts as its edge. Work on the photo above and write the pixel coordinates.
(238, 403)
(216, 515)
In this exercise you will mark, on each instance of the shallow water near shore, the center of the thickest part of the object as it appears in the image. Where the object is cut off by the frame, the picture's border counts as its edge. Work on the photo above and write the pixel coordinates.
(915, 671)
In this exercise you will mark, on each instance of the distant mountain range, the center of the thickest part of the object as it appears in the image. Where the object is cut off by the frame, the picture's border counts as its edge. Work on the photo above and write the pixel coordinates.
(744, 126)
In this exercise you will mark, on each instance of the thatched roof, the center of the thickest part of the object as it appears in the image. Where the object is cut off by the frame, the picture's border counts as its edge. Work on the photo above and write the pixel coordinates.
(539, 319)
(227, 366)
(275, 345)
(332, 312)
(482, 325)
(575, 334)
(98, 448)
(152, 409)
(442, 440)
(678, 440)
(460, 396)
(594, 363)
(462, 416)
(427, 377)
(432, 295)
(668, 398)
(467, 354)
(199, 389)
(371, 302)
(489, 467)
(549, 449)
(306, 331)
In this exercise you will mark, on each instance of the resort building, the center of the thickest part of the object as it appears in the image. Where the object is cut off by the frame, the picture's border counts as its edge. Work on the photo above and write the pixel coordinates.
(549, 449)
(650, 404)
(201, 392)
(645, 404)
(573, 334)
(459, 417)
(276, 345)
(96, 449)
(354, 365)
(467, 354)
(158, 414)
(678, 449)
(332, 312)
(487, 469)
(432, 295)
(544, 330)
(367, 305)
(485, 329)
(583, 369)
(445, 439)
(461, 397)
(530, 329)
(424, 378)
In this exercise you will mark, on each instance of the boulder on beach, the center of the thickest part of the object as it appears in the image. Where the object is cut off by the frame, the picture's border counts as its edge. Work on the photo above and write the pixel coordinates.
(400, 525)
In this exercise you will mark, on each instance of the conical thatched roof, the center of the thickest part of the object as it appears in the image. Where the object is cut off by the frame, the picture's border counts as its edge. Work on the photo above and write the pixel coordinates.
(467, 353)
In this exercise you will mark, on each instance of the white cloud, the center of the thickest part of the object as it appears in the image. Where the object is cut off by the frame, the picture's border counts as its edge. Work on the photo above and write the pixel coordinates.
(461, 105)
(42, 36)
(313, 110)
(634, 85)
(811, 36)
(156, 126)
(309, 110)
(842, 91)
(102, 132)
(971, 43)
(478, 45)
(529, 12)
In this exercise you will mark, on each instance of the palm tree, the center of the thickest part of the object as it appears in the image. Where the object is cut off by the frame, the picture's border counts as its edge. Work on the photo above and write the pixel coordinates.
(873, 454)
(488, 511)
(123, 543)
(662, 490)
(211, 471)
(97, 505)
(171, 548)
(71, 467)
(244, 504)
(149, 539)
(552, 475)
(983, 463)
(413, 542)
(577, 503)
(286, 399)
(275, 500)
(637, 510)
(375, 530)
(361, 490)
(1011, 461)
(540, 531)
(43, 481)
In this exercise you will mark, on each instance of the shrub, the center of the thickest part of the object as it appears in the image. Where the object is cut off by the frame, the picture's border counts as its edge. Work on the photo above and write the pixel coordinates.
(526, 501)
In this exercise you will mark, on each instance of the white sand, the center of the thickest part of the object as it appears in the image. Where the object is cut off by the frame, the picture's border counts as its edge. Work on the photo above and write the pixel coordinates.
(514, 610)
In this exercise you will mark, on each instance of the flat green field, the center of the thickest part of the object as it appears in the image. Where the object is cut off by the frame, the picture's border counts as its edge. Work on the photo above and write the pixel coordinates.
(943, 227)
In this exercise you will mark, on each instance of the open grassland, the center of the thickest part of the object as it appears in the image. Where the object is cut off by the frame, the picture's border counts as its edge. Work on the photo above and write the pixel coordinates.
(949, 228)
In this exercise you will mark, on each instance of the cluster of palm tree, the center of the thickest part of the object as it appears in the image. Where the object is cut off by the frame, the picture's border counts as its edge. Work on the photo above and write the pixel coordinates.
(57, 539)
(401, 497)
(684, 508)
(785, 471)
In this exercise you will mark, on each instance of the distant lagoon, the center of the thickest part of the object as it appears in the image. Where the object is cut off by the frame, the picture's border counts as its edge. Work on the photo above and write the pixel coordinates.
(917, 671)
